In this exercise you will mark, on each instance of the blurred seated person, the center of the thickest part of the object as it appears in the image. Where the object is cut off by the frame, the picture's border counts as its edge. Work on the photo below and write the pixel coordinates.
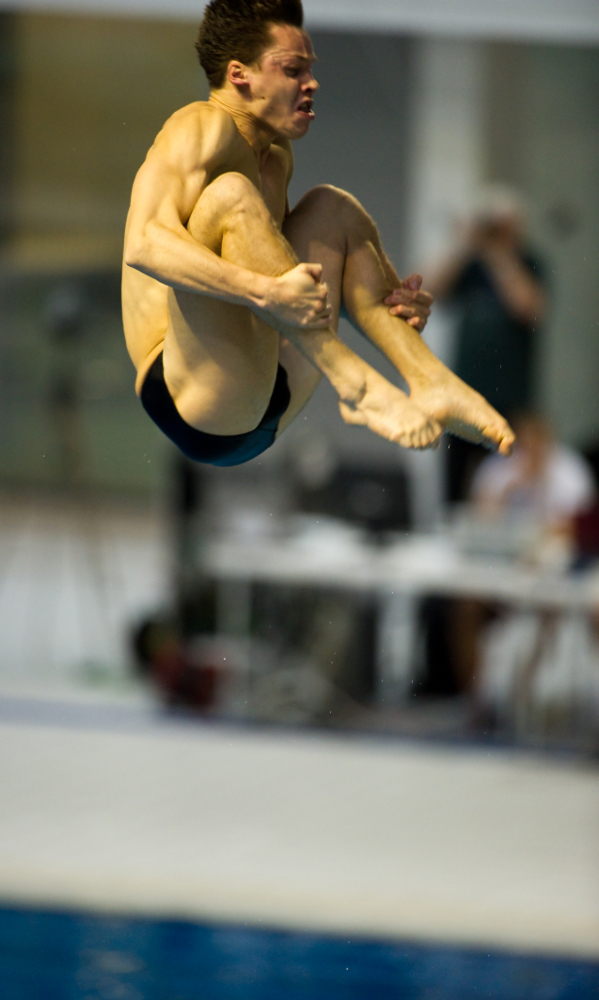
(497, 284)
(548, 482)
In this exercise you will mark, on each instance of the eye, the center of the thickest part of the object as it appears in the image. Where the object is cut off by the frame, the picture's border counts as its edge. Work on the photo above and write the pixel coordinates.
(292, 70)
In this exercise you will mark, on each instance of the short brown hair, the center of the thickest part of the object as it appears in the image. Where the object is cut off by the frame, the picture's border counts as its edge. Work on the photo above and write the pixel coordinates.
(239, 29)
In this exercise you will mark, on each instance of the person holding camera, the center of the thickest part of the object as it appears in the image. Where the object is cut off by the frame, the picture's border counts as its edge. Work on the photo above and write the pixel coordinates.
(497, 285)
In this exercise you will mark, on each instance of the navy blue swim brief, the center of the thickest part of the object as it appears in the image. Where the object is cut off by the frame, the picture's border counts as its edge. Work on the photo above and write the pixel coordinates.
(212, 449)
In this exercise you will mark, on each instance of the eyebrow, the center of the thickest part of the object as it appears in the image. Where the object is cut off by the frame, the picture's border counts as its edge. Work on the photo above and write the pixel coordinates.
(287, 53)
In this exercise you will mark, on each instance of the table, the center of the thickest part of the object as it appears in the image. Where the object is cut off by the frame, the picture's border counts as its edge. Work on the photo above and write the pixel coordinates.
(399, 575)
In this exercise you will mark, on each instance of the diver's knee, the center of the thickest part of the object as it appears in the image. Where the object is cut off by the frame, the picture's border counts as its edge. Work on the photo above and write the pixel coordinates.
(232, 185)
(323, 197)
(226, 196)
(326, 200)
(228, 192)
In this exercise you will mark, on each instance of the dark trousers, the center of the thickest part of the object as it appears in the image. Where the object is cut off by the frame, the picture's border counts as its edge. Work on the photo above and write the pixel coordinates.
(463, 459)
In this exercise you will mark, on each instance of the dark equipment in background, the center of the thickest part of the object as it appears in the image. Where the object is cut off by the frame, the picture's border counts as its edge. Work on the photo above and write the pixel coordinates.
(376, 499)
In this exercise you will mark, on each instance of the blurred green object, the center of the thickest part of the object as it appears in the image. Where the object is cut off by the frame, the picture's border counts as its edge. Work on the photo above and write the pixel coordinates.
(69, 413)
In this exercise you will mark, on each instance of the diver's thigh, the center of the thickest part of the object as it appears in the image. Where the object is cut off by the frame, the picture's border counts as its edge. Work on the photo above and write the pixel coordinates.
(220, 363)
(302, 379)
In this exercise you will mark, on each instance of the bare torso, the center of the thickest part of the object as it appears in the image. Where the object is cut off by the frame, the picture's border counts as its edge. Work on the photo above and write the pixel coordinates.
(203, 137)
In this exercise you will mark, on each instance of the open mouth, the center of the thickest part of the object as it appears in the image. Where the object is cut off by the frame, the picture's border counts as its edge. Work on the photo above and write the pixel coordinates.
(305, 108)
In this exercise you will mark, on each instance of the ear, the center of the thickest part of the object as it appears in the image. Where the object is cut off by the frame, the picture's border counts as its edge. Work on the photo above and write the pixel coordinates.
(237, 74)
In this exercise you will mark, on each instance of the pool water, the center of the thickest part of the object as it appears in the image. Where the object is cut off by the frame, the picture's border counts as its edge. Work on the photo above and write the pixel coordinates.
(61, 956)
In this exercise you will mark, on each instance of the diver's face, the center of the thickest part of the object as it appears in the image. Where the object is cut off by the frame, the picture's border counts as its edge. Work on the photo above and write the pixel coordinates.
(282, 85)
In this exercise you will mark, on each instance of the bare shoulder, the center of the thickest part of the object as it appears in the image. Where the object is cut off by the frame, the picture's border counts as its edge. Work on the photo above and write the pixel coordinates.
(199, 133)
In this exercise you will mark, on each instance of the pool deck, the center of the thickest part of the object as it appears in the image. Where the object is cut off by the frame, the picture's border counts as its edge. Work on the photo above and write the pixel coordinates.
(109, 806)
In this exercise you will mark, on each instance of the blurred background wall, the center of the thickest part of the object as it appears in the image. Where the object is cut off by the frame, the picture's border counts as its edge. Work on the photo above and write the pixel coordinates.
(83, 100)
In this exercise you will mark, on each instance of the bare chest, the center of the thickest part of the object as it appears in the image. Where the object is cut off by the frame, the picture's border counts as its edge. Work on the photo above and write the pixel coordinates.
(270, 172)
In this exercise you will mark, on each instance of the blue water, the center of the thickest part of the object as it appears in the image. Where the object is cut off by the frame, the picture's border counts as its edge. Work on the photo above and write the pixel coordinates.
(51, 956)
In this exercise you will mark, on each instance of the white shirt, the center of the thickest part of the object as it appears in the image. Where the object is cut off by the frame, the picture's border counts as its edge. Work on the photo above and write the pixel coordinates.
(566, 487)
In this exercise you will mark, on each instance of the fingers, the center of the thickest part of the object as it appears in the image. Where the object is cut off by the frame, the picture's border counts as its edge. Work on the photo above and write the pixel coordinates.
(413, 317)
(414, 281)
(318, 323)
(410, 292)
(412, 306)
(300, 299)
(315, 270)
(405, 296)
(323, 308)
(318, 312)
(320, 316)
(317, 320)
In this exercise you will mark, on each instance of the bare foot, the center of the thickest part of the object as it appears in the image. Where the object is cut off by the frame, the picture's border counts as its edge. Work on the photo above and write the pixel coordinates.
(462, 411)
(388, 412)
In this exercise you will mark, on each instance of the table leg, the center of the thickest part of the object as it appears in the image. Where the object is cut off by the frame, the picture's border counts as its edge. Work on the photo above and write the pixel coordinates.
(397, 628)
(233, 621)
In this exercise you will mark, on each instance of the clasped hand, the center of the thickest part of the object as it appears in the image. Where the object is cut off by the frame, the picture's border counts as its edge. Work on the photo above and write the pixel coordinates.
(299, 298)
(410, 302)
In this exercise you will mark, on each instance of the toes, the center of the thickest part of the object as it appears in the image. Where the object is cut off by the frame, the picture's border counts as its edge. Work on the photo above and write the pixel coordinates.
(499, 438)
(351, 416)
(507, 444)
(433, 434)
(421, 438)
(424, 438)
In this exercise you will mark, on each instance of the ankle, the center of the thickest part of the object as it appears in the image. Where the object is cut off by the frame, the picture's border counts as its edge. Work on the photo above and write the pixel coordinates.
(348, 374)
(351, 386)
(353, 393)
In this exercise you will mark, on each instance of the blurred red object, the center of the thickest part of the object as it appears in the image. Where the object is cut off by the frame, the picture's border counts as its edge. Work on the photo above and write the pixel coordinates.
(184, 677)
(586, 531)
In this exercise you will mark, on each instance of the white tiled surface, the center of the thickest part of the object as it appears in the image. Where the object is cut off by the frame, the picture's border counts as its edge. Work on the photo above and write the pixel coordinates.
(73, 578)
(299, 830)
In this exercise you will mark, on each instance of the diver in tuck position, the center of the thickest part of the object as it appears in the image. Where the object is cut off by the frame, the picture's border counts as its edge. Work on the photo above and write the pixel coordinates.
(229, 332)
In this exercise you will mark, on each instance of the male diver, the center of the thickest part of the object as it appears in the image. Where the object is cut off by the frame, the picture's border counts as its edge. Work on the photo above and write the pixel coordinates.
(231, 300)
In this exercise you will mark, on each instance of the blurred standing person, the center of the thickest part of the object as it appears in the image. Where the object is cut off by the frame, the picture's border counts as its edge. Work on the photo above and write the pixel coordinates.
(498, 286)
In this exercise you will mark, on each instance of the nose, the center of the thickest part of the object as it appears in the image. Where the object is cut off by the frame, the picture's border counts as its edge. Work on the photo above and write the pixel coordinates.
(311, 84)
